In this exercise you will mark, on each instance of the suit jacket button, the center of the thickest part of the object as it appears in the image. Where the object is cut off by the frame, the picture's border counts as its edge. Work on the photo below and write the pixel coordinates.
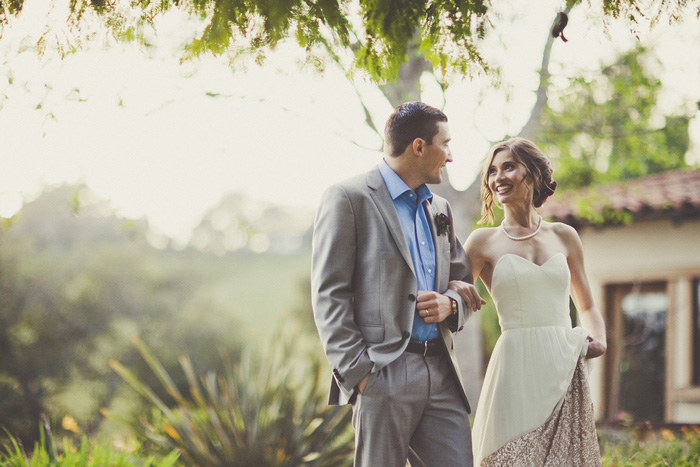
(406, 334)
(411, 297)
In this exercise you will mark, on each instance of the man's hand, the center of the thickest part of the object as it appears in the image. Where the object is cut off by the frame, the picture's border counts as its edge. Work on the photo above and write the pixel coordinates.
(433, 307)
(595, 348)
(468, 293)
(363, 382)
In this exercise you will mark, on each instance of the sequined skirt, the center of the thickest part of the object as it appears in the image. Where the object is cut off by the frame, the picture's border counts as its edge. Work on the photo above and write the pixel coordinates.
(567, 438)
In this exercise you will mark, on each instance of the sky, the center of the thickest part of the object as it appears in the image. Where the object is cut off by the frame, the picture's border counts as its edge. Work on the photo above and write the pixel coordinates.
(165, 138)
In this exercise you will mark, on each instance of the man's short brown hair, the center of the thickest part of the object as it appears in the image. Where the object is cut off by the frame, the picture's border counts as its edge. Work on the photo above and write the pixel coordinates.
(410, 121)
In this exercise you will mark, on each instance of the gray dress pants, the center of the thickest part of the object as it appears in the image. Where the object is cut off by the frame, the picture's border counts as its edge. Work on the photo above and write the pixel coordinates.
(412, 410)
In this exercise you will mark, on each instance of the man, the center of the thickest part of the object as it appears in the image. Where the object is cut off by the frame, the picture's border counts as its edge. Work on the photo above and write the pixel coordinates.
(384, 250)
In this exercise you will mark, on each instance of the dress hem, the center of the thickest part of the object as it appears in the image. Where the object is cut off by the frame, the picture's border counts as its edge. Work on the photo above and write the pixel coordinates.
(567, 438)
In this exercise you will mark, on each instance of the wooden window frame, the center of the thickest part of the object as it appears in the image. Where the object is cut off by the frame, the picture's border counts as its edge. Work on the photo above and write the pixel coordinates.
(613, 293)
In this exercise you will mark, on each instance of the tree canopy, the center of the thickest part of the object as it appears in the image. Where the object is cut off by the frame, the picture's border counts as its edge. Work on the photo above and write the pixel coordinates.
(75, 284)
(609, 127)
(379, 33)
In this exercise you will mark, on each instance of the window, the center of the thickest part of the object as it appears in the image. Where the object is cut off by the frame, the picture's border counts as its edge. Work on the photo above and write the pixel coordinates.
(636, 359)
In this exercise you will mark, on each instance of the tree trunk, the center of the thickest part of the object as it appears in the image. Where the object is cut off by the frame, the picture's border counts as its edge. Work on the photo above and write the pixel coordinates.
(406, 88)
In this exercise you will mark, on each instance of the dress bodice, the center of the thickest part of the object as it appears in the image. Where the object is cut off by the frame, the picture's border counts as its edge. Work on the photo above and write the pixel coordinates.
(530, 295)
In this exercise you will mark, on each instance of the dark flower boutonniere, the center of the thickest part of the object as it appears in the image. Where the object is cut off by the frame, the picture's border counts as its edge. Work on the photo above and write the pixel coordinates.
(443, 224)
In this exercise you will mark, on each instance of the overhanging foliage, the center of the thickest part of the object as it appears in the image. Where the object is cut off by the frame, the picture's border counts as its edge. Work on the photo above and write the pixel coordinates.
(377, 32)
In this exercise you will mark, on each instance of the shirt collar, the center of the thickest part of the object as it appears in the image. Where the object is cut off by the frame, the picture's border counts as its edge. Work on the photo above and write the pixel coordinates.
(398, 187)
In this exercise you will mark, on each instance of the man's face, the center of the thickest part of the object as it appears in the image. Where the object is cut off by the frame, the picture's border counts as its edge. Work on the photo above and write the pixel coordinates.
(436, 155)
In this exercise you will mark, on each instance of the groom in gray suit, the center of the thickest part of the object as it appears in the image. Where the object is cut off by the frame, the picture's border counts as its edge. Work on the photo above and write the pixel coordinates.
(384, 250)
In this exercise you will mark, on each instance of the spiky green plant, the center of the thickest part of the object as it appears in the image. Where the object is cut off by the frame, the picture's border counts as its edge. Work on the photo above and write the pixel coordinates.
(267, 411)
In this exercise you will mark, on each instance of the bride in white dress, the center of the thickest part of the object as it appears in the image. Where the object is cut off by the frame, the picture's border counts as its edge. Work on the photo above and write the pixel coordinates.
(535, 406)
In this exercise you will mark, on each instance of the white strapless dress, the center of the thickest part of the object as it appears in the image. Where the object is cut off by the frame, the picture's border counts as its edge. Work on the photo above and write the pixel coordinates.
(535, 406)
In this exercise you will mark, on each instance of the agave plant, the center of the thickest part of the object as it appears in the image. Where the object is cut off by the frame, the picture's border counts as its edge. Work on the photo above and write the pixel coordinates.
(263, 411)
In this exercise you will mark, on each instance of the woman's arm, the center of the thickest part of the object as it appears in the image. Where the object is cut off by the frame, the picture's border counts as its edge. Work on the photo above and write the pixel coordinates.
(591, 317)
(468, 291)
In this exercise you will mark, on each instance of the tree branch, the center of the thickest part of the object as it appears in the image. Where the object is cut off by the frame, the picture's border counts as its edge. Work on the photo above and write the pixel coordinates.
(541, 103)
(369, 120)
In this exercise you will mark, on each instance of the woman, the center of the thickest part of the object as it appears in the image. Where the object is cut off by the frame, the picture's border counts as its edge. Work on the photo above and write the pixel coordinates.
(535, 406)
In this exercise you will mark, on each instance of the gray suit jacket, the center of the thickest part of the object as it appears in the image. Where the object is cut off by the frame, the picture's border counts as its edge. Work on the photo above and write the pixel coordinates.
(363, 285)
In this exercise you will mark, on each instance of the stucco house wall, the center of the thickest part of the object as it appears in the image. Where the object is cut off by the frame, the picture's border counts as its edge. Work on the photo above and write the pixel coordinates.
(657, 250)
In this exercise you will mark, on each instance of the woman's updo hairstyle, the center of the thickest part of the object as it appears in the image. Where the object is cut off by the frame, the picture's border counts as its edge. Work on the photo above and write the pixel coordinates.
(538, 167)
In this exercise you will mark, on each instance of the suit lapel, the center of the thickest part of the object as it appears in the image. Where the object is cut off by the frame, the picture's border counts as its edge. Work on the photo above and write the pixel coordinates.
(381, 197)
(441, 261)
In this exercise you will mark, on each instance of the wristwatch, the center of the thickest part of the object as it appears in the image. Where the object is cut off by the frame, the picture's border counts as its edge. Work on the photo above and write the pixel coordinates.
(454, 306)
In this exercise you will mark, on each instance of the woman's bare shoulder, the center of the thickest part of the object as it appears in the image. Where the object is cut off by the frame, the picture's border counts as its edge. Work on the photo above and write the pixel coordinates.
(479, 237)
(567, 235)
(563, 231)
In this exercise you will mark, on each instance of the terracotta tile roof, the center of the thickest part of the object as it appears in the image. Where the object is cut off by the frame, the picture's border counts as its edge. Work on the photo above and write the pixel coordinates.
(675, 194)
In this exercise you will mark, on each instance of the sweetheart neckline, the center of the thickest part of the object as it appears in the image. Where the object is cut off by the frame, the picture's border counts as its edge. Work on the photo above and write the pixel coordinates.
(526, 260)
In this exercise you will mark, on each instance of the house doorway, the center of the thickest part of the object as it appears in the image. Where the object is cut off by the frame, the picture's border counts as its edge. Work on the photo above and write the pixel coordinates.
(636, 361)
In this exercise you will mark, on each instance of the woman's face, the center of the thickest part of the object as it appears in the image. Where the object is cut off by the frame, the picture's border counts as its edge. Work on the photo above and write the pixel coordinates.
(508, 179)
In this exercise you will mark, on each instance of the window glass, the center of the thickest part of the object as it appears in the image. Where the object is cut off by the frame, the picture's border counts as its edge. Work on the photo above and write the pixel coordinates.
(643, 363)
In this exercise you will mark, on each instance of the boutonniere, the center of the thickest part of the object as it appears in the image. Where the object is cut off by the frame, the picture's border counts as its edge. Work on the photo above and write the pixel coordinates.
(443, 224)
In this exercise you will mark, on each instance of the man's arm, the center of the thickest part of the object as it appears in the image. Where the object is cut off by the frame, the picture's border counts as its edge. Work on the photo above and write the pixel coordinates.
(436, 307)
(459, 270)
(332, 269)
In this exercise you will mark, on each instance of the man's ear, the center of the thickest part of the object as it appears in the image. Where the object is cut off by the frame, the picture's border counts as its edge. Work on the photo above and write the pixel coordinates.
(418, 146)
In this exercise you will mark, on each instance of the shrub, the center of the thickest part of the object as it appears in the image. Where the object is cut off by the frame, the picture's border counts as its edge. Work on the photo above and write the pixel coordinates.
(269, 411)
(643, 446)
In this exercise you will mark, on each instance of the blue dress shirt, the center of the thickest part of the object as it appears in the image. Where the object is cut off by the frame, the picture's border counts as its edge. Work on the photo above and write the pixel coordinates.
(409, 207)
